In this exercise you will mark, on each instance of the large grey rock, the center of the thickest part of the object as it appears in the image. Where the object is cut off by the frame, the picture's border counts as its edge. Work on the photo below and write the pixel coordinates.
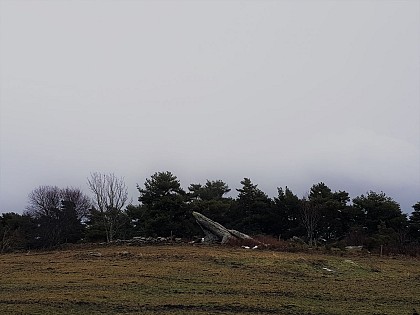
(215, 232)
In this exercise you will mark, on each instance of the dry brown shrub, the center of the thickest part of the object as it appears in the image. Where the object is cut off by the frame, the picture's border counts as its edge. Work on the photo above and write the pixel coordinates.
(267, 242)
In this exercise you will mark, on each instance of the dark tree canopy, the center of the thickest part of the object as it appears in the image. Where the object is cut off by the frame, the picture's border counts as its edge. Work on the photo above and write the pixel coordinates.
(15, 231)
(414, 224)
(250, 194)
(210, 201)
(82, 203)
(331, 207)
(56, 215)
(163, 206)
(60, 225)
(212, 190)
(59, 215)
(159, 185)
(377, 208)
(253, 209)
(286, 222)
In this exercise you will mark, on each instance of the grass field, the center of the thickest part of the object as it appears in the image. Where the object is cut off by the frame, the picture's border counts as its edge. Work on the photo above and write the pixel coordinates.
(205, 280)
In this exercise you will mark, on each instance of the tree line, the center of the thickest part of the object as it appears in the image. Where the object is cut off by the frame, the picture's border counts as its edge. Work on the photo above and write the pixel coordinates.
(57, 216)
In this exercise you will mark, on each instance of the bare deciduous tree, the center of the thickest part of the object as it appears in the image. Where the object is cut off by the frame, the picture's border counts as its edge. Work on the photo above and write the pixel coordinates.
(310, 215)
(58, 214)
(44, 200)
(110, 195)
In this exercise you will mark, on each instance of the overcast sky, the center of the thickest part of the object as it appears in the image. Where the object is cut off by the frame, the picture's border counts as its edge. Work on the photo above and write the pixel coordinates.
(283, 92)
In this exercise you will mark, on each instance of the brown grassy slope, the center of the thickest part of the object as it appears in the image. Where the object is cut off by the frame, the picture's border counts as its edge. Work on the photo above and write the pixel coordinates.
(205, 280)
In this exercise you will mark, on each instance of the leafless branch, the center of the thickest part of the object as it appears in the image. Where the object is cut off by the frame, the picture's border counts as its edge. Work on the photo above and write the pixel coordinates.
(310, 216)
(110, 195)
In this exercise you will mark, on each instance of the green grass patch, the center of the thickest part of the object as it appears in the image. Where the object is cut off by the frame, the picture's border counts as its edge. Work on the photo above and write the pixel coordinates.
(205, 280)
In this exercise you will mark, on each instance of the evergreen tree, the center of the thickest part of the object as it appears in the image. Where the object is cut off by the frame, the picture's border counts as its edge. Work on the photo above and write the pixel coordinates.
(377, 207)
(414, 223)
(212, 190)
(381, 215)
(15, 231)
(164, 207)
(95, 228)
(253, 211)
(70, 225)
(210, 201)
(286, 218)
(61, 225)
(332, 206)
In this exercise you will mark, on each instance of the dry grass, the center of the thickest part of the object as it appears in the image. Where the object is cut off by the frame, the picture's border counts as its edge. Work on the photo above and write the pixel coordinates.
(205, 280)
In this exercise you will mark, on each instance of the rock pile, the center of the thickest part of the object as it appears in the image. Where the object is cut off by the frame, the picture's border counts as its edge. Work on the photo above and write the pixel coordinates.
(141, 240)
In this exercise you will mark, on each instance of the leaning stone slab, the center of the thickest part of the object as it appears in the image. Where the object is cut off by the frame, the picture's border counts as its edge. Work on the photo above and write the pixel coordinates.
(215, 232)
